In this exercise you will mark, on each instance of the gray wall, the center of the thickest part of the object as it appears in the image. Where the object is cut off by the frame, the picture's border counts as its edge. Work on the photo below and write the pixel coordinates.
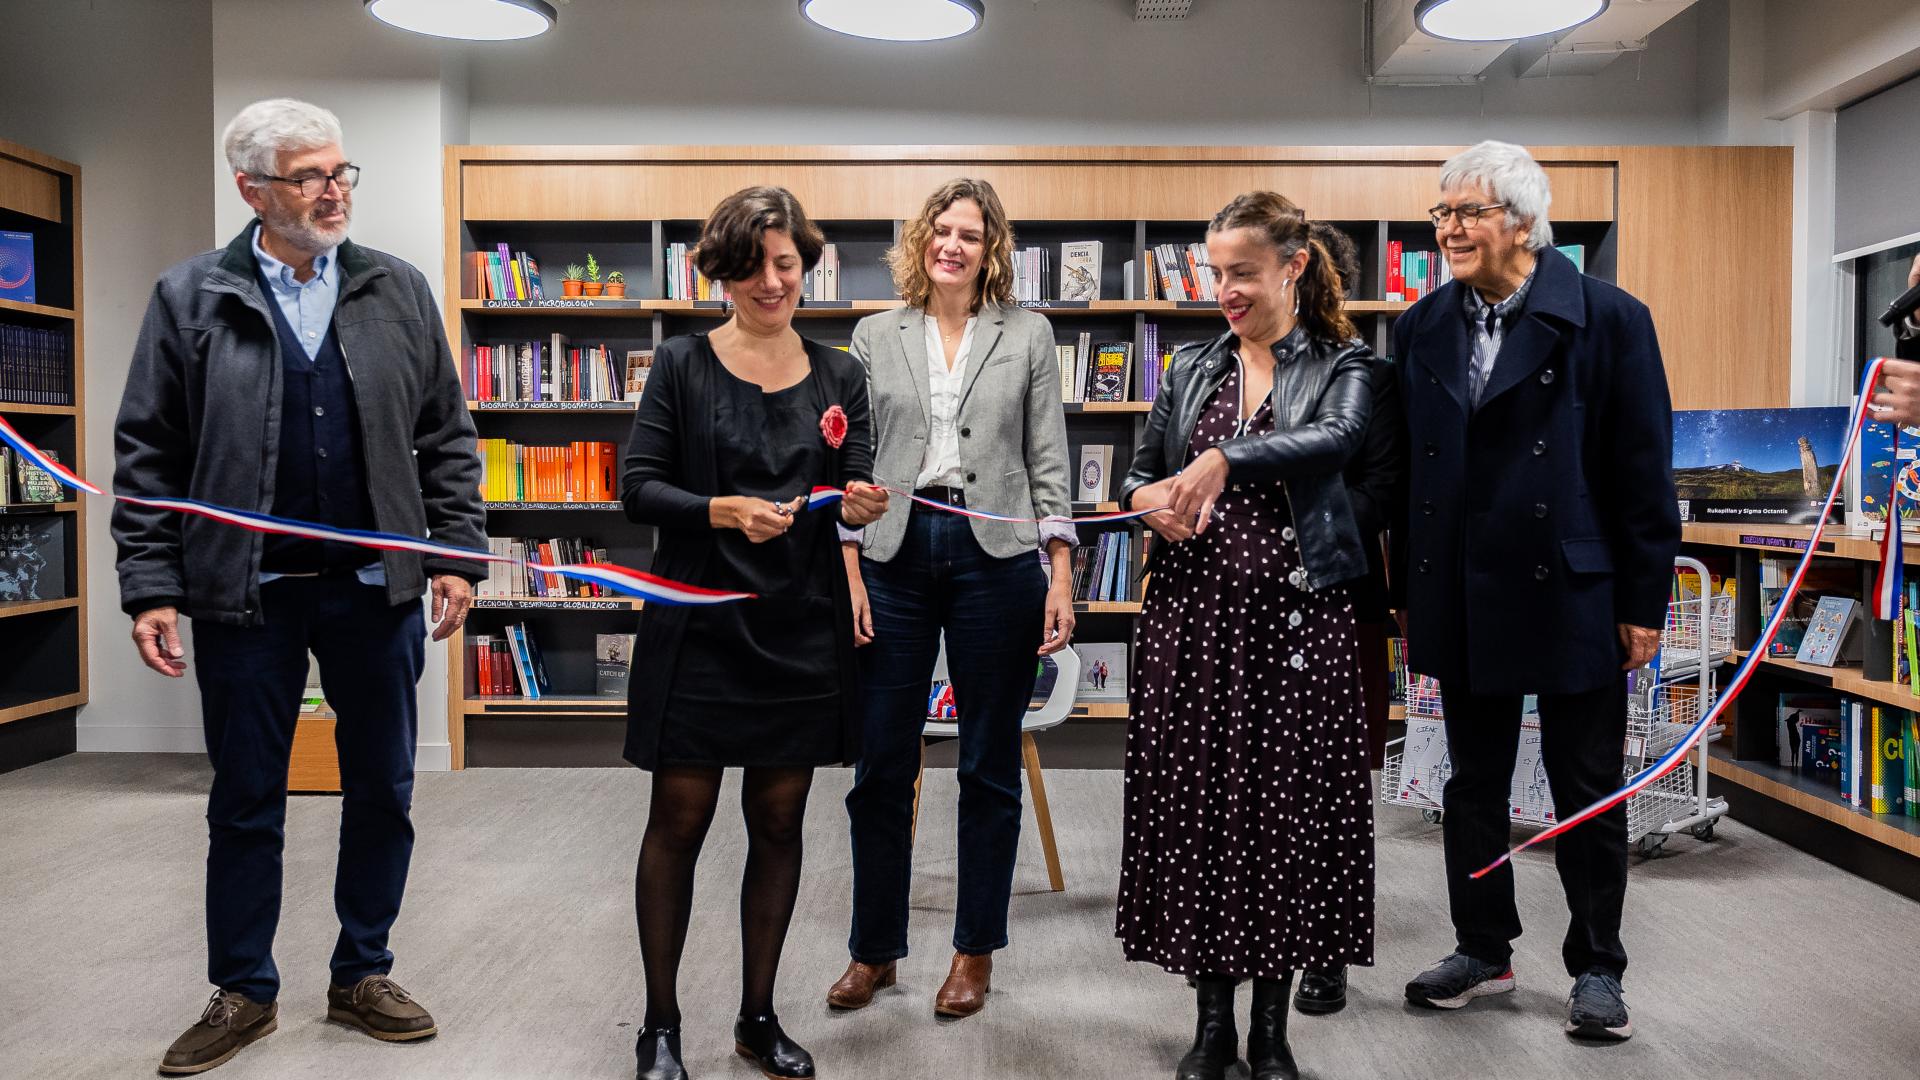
(122, 88)
(1284, 72)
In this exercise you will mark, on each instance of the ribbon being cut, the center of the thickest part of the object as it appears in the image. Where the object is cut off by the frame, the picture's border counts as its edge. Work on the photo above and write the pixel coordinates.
(664, 591)
(621, 579)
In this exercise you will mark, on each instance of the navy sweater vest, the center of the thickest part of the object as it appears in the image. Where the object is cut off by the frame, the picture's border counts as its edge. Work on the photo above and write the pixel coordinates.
(322, 475)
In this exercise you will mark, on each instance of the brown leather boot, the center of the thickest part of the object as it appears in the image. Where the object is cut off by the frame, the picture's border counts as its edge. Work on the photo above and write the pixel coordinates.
(229, 1023)
(377, 1006)
(965, 991)
(855, 988)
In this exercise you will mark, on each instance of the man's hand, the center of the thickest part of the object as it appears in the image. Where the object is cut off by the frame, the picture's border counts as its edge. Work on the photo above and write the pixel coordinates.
(863, 504)
(1897, 401)
(156, 633)
(451, 596)
(1198, 485)
(1640, 644)
(1170, 528)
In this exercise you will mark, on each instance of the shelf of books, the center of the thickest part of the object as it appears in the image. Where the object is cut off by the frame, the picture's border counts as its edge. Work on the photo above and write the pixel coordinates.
(1829, 727)
(43, 620)
(567, 265)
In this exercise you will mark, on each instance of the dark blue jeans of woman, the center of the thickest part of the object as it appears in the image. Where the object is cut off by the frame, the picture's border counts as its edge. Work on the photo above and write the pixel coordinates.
(990, 610)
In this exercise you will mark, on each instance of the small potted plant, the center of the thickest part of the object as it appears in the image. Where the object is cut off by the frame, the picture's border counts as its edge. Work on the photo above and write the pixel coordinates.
(570, 285)
(616, 284)
(592, 285)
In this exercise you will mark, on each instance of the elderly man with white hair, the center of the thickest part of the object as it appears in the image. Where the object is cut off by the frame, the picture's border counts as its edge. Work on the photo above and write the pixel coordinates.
(1534, 558)
(298, 374)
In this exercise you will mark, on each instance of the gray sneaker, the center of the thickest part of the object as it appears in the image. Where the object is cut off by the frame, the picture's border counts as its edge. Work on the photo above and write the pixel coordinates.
(1596, 1009)
(1457, 980)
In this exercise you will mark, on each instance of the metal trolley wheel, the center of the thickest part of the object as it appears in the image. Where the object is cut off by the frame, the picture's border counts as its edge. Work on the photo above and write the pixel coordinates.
(1651, 843)
(1703, 832)
(1432, 816)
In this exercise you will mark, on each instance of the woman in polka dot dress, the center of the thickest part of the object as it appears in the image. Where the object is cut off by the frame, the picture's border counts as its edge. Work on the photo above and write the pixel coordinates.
(1249, 830)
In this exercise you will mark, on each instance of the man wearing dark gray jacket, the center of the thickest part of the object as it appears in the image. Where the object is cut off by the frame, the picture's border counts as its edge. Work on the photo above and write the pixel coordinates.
(298, 374)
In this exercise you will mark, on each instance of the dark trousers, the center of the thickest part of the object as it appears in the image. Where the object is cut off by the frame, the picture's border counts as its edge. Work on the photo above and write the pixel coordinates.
(251, 679)
(990, 610)
(1582, 739)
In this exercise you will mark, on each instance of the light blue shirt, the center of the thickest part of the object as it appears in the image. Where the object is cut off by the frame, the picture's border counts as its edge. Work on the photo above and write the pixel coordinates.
(308, 306)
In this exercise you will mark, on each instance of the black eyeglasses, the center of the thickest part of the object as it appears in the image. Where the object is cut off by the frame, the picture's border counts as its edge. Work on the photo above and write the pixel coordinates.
(346, 177)
(1470, 214)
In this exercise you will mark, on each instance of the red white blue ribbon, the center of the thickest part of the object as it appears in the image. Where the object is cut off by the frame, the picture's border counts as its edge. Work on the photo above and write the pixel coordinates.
(650, 587)
(1888, 582)
(1673, 757)
(824, 496)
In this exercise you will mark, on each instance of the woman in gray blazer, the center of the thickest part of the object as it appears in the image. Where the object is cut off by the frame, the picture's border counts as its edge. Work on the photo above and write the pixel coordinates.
(965, 392)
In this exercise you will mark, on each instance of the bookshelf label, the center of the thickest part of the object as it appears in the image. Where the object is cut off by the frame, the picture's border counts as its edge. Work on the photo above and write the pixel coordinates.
(1055, 305)
(566, 304)
(554, 506)
(1784, 543)
(554, 406)
(518, 603)
(1195, 305)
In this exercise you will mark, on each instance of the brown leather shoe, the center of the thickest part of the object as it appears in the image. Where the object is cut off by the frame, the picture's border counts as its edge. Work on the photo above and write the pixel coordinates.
(965, 991)
(377, 1006)
(855, 988)
(229, 1023)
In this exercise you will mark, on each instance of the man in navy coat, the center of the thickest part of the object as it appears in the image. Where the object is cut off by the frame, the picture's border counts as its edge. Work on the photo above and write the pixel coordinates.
(1535, 558)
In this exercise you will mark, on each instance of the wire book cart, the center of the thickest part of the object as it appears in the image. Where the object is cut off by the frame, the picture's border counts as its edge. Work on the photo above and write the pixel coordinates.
(1664, 699)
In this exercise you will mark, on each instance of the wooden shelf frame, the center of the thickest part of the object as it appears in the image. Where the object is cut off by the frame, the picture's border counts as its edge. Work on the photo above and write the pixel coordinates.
(48, 191)
(1637, 197)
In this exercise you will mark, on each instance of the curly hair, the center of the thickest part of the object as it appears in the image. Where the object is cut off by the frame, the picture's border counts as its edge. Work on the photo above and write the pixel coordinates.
(907, 259)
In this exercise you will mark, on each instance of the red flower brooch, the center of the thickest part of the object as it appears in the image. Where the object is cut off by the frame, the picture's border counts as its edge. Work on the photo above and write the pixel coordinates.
(833, 426)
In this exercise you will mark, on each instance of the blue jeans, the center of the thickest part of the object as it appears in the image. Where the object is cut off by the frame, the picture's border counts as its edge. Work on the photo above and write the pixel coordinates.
(991, 611)
(251, 679)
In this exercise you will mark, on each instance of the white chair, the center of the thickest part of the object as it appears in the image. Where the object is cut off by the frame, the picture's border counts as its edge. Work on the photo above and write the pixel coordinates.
(1049, 713)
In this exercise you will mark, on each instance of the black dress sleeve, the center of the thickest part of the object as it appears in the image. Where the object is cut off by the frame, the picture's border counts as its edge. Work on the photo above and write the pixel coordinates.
(650, 482)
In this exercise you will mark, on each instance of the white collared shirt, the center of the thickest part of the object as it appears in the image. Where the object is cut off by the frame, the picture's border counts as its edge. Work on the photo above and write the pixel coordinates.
(944, 387)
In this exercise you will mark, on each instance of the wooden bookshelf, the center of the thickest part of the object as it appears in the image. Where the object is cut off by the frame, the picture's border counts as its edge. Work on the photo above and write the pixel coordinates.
(1748, 758)
(628, 203)
(44, 680)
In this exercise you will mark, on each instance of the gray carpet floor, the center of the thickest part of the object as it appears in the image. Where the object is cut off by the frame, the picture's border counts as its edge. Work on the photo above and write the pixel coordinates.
(1750, 959)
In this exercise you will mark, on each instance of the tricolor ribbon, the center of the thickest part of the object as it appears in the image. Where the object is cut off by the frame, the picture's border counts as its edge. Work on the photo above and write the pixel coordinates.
(650, 587)
(1888, 582)
(824, 496)
(1890, 550)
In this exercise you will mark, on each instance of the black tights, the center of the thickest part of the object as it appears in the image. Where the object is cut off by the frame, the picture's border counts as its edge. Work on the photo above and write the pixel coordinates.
(774, 803)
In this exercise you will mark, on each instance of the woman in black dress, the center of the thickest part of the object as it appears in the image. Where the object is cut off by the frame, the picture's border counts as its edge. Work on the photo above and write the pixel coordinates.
(1248, 850)
(735, 429)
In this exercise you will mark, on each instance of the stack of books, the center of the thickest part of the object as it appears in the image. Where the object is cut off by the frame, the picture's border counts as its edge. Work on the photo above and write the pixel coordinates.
(1868, 752)
(1091, 371)
(515, 580)
(686, 283)
(1179, 272)
(577, 472)
(507, 664)
(1032, 275)
(1103, 571)
(34, 366)
(549, 370)
(500, 275)
(823, 281)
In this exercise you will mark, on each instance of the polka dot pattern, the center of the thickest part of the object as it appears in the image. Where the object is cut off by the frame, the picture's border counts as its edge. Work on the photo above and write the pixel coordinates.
(1248, 848)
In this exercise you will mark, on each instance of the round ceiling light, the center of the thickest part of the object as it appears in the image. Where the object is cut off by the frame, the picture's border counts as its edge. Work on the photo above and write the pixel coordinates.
(469, 20)
(1502, 20)
(897, 20)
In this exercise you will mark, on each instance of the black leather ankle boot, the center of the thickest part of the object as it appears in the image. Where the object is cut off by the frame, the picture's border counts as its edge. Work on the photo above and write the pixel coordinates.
(1322, 990)
(659, 1052)
(1268, 1054)
(760, 1040)
(1216, 1042)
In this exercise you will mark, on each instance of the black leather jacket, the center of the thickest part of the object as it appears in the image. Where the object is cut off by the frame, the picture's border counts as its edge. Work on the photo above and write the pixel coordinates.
(1321, 397)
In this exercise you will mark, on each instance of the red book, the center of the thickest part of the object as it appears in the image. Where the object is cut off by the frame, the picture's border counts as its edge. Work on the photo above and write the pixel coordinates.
(1396, 275)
